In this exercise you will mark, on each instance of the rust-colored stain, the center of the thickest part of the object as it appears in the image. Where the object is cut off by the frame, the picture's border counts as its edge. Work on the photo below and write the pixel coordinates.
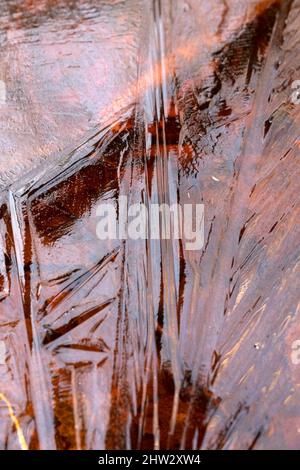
(120, 344)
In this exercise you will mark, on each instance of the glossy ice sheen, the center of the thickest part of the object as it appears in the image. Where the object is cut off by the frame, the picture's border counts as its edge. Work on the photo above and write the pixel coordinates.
(67, 65)
(134, 344)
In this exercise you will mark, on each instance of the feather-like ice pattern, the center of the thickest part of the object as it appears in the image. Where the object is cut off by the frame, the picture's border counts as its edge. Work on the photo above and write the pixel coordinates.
(124, 344)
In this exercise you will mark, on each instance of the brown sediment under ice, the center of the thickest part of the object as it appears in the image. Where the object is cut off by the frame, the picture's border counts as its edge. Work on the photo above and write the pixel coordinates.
(119, 344)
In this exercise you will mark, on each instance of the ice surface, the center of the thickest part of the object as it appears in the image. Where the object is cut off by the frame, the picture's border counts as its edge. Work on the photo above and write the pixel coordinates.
(142, 344)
